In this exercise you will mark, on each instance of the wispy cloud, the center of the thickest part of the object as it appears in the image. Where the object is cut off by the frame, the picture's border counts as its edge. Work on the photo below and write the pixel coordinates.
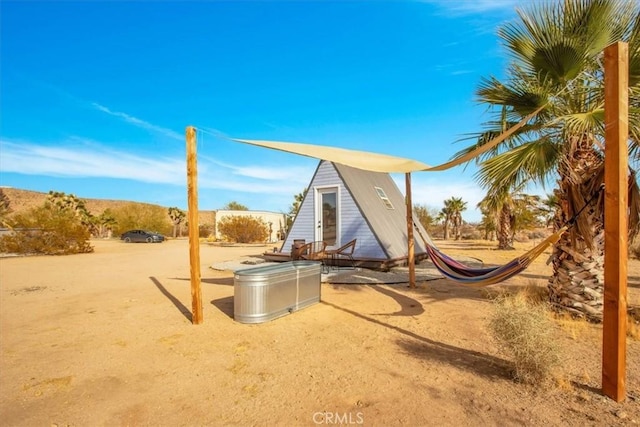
(139, 122)
(81, 159)
(261, 172)
(468, 7)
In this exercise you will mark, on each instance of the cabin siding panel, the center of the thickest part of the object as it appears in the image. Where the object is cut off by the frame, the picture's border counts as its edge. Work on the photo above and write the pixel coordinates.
(352, 224)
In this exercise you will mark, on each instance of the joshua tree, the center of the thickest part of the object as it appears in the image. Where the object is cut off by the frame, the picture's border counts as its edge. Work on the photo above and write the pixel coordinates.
(71, 203)
(106, 222)
(177, 218)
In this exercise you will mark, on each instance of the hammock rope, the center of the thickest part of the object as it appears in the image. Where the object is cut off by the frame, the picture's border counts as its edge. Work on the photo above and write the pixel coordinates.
(479, 277)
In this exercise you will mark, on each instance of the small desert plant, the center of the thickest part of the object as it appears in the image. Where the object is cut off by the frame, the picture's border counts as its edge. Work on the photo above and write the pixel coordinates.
(524, 330)
(243, 229)
(205, 230)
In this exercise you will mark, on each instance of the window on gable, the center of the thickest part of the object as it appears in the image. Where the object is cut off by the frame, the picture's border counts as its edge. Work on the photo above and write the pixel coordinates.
(384, 198)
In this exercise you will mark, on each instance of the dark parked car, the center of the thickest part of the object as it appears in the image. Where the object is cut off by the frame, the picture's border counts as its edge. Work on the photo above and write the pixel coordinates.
(142, 236)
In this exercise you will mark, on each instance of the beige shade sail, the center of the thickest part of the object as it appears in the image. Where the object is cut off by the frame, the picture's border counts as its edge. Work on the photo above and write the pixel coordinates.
(380, 162)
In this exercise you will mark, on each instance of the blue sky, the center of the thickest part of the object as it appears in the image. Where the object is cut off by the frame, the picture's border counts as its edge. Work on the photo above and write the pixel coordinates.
(95, 96)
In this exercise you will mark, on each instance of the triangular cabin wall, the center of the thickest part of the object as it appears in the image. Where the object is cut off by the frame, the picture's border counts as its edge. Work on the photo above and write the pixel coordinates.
(352, 224)
(380, 229)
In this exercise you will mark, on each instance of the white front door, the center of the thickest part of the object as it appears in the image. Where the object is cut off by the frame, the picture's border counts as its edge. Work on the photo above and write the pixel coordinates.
(327, 215)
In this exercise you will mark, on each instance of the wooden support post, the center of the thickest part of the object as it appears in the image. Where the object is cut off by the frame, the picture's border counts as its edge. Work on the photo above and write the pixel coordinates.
(194, 229)
(410, 243)
(616, 113)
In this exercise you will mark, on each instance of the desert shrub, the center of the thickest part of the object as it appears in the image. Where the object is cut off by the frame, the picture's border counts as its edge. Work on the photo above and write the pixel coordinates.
(243, 229)
(524, 331)
(141, 216)
(47, 230)
(205, 230)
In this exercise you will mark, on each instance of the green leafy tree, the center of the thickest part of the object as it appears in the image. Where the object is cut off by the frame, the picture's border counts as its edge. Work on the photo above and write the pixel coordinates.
(489, 221)
(527, 212)
(557, 65)
(235, 206)
(425, 215)
(297, 202)
(295, 207)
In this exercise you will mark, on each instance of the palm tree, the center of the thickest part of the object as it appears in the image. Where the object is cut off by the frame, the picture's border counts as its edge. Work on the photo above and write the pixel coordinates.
(556, 52)
(500, 206)
(445, 216)
(452, 210)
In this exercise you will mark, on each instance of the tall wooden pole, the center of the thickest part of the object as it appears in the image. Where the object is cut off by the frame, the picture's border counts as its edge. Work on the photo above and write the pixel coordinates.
(194, 229)
(410, 243)
(616, 113)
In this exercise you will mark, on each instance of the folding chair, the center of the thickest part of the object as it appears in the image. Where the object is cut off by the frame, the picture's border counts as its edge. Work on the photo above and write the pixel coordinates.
(344, 251)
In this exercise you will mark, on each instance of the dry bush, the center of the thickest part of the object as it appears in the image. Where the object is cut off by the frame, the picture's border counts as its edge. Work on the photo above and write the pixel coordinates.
(143, 216)
(243, 229)
(205, 230)
(524, 330)
(575, 327)
(535, 292)
(47, 230)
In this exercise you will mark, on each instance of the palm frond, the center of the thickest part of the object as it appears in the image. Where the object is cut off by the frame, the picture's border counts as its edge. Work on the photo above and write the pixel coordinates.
(585, 122)
(559, 40)
(634, 52)
(533, 160)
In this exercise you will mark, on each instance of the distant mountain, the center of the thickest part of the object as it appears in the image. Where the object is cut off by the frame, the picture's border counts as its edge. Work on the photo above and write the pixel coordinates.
(23, 200)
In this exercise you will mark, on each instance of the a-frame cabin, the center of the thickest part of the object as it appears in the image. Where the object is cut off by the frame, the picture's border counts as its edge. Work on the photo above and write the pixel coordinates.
(343, 203)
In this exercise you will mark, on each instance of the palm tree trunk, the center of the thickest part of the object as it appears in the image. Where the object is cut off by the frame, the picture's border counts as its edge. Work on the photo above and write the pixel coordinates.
(505, 241)
(458, 226)
(577, 284)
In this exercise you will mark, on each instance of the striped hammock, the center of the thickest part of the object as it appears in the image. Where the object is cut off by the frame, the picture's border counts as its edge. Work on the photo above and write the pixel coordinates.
(477, 277)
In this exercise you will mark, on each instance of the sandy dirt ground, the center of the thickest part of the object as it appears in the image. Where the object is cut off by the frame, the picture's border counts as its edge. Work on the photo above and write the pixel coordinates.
(106, 339)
